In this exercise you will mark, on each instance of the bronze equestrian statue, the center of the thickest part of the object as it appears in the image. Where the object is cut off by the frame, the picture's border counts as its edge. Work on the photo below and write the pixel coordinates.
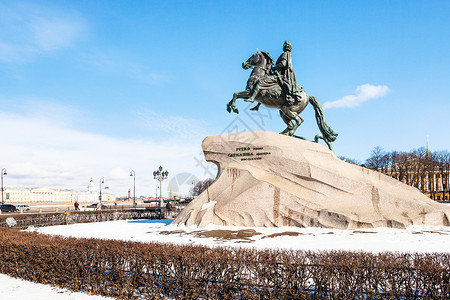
(276, 87)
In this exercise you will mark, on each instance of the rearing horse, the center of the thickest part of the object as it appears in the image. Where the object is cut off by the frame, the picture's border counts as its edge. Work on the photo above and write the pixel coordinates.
(272, 95)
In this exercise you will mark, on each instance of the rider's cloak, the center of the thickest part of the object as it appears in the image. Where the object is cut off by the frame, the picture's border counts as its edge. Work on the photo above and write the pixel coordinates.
(285, 68)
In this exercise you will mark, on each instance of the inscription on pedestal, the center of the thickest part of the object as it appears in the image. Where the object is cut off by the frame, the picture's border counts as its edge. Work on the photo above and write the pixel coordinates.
(249, 153)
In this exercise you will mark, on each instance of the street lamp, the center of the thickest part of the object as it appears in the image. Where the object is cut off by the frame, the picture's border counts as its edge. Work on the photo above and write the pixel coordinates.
(3, 173)
(132, 173)
(160, 175)
(100, 197)
(192, 190)
(442, 182)
(447, 182)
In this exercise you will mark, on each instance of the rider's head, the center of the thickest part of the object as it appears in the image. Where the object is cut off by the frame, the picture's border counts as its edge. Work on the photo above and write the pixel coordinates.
(287, 46)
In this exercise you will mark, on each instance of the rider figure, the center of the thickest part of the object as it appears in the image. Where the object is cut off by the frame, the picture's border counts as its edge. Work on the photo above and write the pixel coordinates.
(284, 72)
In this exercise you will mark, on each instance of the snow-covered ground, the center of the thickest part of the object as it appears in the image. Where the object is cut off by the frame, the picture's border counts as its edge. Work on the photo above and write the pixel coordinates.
(412, 239)
(13, 288)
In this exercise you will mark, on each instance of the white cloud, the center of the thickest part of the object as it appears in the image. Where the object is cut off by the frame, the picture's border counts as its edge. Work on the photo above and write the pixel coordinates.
(148, 77)
(48, 109)
(10, 52)
(180, 127)
(51, 33)
(362, 94)
(119, 63)
(45, 153)
(28, 30)
(119, 173)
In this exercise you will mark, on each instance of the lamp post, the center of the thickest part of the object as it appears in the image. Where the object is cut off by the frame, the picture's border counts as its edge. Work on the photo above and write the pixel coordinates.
(100, 197)
(446, 181)
(3, 173)
(442, 182)
(160, 175)
(192, 190)
(132, 173)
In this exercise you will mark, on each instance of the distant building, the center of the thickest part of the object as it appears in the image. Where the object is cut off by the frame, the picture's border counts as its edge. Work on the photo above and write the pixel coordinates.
(30, 195)
(17, 195)
(431, 177)
(25, 195)
(92, 195)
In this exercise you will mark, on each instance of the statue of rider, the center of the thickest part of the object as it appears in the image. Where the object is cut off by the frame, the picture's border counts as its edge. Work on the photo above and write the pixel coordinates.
(283, 72)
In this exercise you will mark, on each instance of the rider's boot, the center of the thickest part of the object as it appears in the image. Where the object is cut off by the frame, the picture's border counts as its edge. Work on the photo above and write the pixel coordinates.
(252, 97)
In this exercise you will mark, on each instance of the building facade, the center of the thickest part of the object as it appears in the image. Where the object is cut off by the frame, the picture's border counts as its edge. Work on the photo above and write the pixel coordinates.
(92, 195)
(430, 177)
(48, 195)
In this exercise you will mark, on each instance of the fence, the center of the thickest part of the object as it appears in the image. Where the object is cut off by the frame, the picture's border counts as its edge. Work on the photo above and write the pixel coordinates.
(151, 270)
(72, 217)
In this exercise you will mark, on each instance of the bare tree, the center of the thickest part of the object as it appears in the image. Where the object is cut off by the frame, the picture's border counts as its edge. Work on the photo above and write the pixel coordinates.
(428, 171)
(420, 153)
(201, 186)
(377, 159)
(350, 160)
(400, 161)
(207, 183)
(420, 167)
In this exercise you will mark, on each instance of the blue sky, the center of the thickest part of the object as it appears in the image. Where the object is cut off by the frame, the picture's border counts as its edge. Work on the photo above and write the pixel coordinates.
(98, 88)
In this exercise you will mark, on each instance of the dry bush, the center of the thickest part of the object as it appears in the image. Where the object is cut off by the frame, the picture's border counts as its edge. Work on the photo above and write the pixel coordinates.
(131, 270)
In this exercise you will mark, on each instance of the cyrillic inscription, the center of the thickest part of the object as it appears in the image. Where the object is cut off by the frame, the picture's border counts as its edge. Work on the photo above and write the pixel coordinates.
(249, 153)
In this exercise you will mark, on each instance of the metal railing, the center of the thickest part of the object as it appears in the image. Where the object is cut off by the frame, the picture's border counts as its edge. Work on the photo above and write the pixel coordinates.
(72, 217)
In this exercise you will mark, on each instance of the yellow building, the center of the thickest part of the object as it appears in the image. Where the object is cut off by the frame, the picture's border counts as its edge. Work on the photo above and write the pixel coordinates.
(48, 195)
(430, 177)
(27, 195)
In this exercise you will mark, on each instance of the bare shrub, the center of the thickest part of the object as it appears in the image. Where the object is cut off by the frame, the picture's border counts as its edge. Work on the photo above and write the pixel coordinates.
(131, 270)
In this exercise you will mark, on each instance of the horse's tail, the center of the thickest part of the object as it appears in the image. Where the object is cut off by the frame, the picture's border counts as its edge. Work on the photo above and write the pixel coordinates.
(328, 133)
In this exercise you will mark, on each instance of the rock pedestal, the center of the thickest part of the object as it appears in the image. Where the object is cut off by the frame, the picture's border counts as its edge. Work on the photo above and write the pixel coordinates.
(269, 180)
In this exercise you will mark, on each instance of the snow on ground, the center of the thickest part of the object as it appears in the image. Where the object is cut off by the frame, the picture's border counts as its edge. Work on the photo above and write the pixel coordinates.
(13, 288)
(412, 239)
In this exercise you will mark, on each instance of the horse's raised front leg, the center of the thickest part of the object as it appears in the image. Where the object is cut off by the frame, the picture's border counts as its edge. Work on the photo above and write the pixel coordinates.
(232, 104)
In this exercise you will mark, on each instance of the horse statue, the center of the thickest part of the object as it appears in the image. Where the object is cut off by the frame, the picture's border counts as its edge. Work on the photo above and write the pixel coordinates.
(271, 93)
